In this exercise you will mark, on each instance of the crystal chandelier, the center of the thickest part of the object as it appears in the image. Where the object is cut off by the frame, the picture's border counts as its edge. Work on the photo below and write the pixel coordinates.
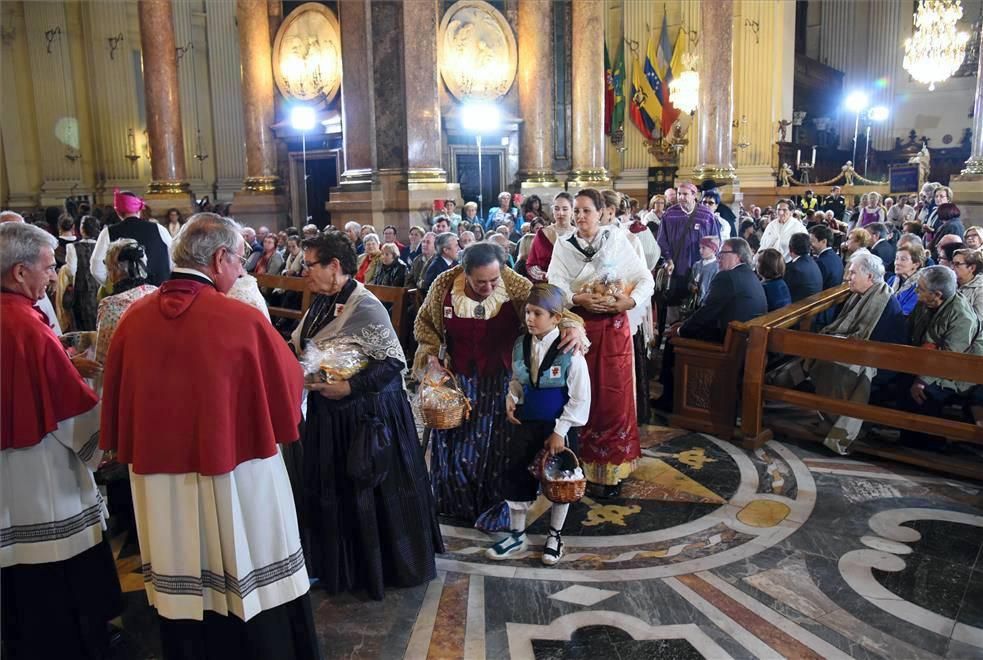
(684, 89)
(935, 49)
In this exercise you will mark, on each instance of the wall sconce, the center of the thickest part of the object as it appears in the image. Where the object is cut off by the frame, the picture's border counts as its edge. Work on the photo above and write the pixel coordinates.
(51, 35)
(180, 51)
(755, 27)
(72, 154)
(114, 44)
(741, 126)
(131, 146)
(692, 35)
(200, 154)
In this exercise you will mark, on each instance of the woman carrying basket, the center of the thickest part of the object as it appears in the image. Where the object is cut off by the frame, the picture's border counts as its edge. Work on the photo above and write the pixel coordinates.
(549, 396)
(469, 322)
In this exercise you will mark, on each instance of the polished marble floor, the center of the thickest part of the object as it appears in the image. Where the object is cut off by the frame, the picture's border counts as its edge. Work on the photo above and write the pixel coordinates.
(711, 552)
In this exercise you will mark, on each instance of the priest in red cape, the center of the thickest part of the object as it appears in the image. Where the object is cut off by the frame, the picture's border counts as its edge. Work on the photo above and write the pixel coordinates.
(198, 392)
(57, 574)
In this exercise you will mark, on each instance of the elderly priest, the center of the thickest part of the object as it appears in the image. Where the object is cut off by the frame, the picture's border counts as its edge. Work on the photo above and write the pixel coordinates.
(57, 573)
(222, 560)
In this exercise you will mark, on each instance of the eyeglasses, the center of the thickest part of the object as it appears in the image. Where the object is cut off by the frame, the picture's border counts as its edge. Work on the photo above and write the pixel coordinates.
(311, 264)
(242, 260)
(958, 263)
(723, 252)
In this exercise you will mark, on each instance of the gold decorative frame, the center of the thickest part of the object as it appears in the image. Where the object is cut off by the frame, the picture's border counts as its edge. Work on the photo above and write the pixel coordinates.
(328, 34)
(463, 49)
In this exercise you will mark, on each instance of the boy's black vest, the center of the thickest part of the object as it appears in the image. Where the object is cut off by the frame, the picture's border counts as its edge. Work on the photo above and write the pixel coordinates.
(147, 234)
(543, 401)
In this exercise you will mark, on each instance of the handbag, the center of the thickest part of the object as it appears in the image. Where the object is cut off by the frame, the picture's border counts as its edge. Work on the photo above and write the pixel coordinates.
(370, 453)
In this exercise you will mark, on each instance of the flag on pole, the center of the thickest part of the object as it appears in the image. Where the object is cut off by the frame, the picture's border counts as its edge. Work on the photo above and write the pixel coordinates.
(608, 92)
(640, 93)
(653, 82)
(669, 112)
(618, 82)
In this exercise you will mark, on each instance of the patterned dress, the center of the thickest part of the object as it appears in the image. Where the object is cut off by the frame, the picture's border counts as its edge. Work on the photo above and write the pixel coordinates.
(111, 310)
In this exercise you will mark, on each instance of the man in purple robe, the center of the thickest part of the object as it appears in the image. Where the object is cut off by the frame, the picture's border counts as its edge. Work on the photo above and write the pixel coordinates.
(683, 225)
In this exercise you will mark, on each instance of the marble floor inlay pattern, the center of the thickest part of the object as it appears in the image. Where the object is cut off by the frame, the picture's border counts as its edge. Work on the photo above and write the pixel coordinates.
(711, 551)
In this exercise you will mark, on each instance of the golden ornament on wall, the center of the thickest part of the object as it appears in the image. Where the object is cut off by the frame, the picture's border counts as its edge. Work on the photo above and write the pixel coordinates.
(477, 54)
(307, 54)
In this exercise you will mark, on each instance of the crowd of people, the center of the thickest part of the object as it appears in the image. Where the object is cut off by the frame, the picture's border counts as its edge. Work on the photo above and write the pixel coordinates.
(548, 317)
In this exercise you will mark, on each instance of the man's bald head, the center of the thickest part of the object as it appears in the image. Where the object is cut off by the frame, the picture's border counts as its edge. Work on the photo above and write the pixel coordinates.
(10, 216)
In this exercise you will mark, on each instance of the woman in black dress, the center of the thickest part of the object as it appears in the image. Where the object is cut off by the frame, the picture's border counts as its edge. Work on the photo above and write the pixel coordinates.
(357, 536)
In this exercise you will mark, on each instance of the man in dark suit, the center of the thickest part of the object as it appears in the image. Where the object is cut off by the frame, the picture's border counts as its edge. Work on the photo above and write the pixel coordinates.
(735, 294)
(830, 266)
(834, 202)
(882, 247)
(802, 275)
(447, 250)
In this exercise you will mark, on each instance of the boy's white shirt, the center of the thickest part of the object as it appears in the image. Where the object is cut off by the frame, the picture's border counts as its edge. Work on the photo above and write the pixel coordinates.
(577, 409)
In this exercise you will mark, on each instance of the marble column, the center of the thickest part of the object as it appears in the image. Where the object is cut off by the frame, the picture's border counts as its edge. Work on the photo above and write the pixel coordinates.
(160, 80)
(536, 92)
(716, 108)
(421, 85)
(357, 117)
(588, 157)
(255, 52)
(974, 166)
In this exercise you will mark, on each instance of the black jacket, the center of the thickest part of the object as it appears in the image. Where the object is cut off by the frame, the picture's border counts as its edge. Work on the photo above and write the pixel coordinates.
(831, 266)
(886, 251)
(803, 277)
(837, 206)
(734, 295)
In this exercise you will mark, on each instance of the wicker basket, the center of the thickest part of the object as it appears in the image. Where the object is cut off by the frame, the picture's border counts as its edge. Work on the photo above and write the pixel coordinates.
(448, 417)
(562, 492)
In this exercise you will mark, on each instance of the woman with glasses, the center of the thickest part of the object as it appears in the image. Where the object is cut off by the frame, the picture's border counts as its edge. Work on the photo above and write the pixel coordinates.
(364, 531)
(968, 266)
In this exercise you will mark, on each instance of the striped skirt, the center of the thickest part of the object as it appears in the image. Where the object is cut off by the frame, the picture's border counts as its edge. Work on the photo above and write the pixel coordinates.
(468, 464)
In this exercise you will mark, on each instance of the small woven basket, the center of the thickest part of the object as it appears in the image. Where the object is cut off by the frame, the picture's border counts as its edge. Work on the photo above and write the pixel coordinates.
(450, 416)
(562, 492)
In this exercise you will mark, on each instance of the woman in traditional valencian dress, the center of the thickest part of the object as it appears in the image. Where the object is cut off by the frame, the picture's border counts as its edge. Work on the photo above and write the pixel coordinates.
(360, 536)
(609, 444)
(538, 261)
(468, 324)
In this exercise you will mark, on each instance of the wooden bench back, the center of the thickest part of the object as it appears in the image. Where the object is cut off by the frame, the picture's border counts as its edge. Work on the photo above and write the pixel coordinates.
(398, 298)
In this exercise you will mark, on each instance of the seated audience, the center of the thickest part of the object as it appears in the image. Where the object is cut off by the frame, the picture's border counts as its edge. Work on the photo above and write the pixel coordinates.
(771, 270)
(389, 236)
(465, 238)
(882, 246)
(750, 234)
(870, 313)
(908, 264)
(947, 252)
(294, 258)
(802, 274)
(949, 223)
(942, 320)
(780, 230)
(414, 278)
(973, 238)
(447, 249)
(392, 270)
(416, 242)
(968, 266)
(266, 261)
(368, 261)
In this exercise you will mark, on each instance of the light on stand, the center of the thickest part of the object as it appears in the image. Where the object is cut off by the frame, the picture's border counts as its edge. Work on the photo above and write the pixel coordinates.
(856, 103)
(878, 113)
(303, 119)
(480, 118)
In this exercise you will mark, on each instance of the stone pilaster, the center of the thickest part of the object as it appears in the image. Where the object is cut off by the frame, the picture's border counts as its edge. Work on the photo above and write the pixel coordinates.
(226, 99)
(716, 109)
(968, 186)
(22, 156)
(587, 134)
(160, 77)
(535, 97)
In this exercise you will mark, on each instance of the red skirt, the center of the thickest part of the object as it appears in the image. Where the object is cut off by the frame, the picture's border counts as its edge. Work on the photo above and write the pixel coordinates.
(609, 443)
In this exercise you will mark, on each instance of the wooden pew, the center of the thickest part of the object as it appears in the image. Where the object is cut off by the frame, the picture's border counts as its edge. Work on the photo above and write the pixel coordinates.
(288, 284)
(771, 336)
(707, 375)
(399, 299)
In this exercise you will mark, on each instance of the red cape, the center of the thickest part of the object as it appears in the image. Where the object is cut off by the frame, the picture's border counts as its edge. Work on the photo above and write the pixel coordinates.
(39, 385)
(197, 382)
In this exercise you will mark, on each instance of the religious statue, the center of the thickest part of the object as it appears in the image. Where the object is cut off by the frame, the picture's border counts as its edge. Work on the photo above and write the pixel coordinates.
(785, 175)
(783, 125)
(924, 160)
(848, 172)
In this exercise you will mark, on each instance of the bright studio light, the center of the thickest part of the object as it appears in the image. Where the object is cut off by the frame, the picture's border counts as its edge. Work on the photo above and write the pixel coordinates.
(879, 113)
(857, 101)
(480, 117)
(303, 118)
